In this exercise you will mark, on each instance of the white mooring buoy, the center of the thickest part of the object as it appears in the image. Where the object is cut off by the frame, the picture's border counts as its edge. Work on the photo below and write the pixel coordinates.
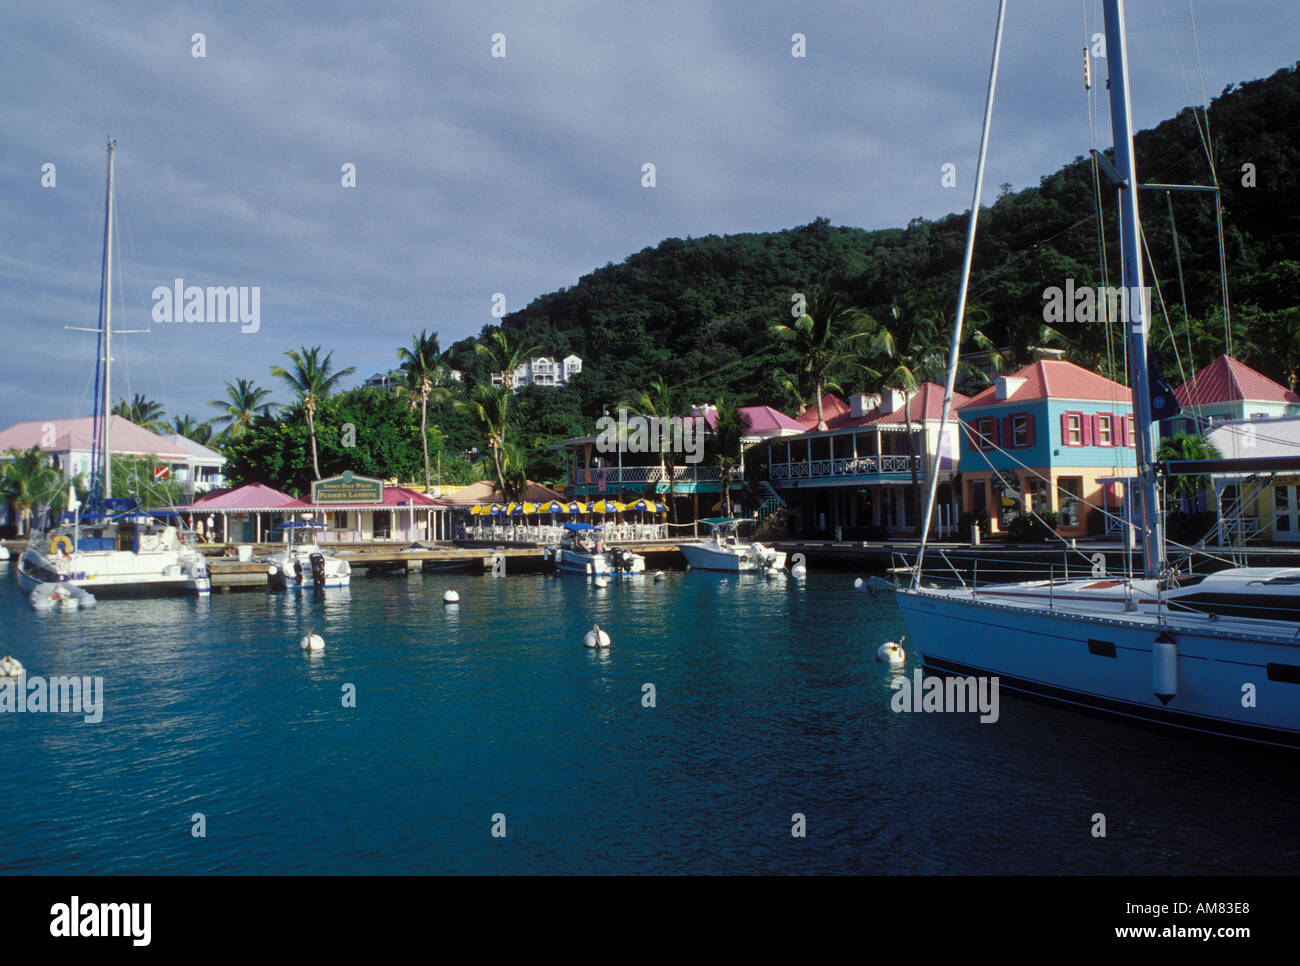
(312, 642)
(891, 652)
(601, 581)
(659, 575)
(596, 637)
(10, 667)
(451, 597)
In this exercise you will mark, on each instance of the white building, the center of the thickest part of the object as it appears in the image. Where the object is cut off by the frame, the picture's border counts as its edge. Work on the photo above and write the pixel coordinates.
(393, 378)
(542, 371)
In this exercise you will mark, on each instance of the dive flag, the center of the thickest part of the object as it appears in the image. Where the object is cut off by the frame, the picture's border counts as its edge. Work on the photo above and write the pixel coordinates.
(1164, 403)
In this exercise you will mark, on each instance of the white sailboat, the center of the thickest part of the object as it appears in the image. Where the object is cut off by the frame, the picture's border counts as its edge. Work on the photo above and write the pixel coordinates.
(725, 550)
(1217, 654)
(114, 548)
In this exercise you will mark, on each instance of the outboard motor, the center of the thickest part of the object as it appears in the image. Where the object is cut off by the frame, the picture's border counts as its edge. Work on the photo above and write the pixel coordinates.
(317, 569)
(297, 571)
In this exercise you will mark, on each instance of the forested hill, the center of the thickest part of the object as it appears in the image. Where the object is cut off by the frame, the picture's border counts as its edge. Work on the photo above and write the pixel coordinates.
(698, 311)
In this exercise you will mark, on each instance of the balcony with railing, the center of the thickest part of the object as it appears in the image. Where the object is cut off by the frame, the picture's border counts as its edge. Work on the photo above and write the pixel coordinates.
(853, 467)
(616, 477)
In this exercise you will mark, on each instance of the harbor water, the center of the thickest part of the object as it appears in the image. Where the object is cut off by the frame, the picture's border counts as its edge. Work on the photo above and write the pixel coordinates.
(729, 713)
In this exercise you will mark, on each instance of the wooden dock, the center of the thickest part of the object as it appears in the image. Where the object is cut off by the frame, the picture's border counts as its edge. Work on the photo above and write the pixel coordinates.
(377, 559)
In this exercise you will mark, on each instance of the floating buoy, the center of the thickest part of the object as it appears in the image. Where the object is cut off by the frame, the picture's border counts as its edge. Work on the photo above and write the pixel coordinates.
(451, 597)
(601, 581)
(798, 570)
(891, 652)
(659, 575)
(312, 642)
(10, 667)
(772, 572)
(1164, 668)
(596, 637)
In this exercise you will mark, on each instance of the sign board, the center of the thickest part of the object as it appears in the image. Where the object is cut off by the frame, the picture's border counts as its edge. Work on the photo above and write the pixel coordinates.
(347, 488)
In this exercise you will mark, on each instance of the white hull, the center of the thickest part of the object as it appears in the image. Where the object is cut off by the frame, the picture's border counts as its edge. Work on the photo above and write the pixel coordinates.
(1103, 660)
(709, 556)
(571, 561)
(120, 572)
(282, 574)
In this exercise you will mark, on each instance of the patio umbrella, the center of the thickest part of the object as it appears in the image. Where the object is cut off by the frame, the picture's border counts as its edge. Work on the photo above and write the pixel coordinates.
(576, 507)
(554, 507)
(496, 510)
(531, 508)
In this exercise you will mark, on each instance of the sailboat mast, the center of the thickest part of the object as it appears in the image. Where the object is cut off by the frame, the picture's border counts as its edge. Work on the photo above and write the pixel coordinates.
(106, 311)
(1121, 119)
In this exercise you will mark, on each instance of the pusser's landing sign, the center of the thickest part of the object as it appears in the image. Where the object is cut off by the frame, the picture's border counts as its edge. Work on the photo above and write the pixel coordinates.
(347, 488)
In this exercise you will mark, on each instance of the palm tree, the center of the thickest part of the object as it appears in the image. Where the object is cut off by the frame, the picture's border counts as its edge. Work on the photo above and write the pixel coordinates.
(919, 356)
(1187, 447)
(489, 408)
(144, 412)
(822, 350)
(663, 401)
(190, 428)
(727, 428)
(29, 480)
(422, 367)
(243, 404)
(312, 382)
(504, 355)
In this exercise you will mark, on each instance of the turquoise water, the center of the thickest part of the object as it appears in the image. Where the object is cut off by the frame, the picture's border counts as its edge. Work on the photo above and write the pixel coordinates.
(768, 702)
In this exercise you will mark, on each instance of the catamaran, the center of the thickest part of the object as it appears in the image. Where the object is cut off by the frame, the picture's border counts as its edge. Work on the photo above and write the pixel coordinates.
(114, 548)
(582, 551)
(1217, 654)
(726, 551)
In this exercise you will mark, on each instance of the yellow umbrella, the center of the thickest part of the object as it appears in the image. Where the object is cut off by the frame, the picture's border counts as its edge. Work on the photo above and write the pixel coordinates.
(605, 506)
(477, 510)
(530, 508)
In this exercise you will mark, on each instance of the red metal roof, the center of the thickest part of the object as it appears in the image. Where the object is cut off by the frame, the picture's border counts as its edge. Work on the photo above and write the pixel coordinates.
(925, 403)
(1227, 380)
(832, 405)
(1055, 379)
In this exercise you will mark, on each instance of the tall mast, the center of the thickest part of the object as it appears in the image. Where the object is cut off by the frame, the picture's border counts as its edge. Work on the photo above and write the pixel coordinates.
(954, 351)
(106, 311)
(1121, 119)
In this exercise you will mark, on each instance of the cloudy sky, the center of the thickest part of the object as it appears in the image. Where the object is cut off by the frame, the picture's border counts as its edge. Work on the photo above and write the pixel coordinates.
(478, 174)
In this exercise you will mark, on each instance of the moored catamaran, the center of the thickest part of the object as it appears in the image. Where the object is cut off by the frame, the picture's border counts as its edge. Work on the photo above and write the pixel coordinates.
(1217, 654)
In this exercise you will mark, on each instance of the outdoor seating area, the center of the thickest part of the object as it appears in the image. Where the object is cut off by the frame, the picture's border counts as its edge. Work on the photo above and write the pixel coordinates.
(543, 523)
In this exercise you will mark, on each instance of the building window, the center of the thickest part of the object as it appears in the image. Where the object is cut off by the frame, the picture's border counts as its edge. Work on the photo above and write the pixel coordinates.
(1132, 437)
(984, 429)
(1020, 431)
(1069, 491)
(1105, 429)
(1074, 429)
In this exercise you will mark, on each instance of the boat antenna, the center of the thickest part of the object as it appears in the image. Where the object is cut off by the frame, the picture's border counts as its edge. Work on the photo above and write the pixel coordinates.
(959, 320)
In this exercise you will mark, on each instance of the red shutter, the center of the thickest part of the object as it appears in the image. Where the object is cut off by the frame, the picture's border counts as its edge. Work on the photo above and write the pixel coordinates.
(1086, 422)
(1065, 430)
(1008, 434)
(1130, 429)
(1030, 438)
(1122, 430)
